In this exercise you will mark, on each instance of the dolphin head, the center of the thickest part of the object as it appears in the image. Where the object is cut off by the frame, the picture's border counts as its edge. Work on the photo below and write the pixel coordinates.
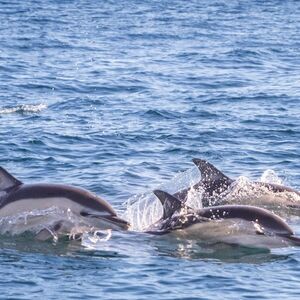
(103, 220)
(97, 211)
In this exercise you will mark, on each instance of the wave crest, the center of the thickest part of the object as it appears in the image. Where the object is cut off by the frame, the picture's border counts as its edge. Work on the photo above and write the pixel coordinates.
(24, 108)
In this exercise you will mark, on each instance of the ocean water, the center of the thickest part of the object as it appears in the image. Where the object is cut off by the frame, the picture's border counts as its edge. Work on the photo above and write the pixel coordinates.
(118, 97)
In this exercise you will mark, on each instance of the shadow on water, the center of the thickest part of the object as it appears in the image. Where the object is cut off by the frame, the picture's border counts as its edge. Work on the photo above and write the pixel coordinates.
(230, 253)
(28, 244)
(135, 245)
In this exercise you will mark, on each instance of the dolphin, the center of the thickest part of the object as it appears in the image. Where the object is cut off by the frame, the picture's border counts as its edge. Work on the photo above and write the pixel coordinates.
(235, 224)
(218, 189)
(18, 198)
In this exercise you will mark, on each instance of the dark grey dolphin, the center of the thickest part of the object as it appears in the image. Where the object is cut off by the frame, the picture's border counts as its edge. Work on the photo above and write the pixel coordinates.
(260, 224)
(216, 186)
(17, 198)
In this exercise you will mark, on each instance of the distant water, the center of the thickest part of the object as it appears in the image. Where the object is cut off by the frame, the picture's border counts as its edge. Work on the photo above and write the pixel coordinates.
(118, 97)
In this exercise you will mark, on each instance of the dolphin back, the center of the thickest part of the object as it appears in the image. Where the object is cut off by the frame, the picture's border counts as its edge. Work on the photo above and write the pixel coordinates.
(170, 203)
(266, 219)
(7, 181)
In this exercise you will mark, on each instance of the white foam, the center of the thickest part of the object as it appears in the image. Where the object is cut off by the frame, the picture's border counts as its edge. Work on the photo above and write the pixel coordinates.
(94, 240)
(24, 108)
(270, 176)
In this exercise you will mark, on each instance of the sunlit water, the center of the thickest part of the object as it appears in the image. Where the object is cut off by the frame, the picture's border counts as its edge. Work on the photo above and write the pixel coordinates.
(118, 97)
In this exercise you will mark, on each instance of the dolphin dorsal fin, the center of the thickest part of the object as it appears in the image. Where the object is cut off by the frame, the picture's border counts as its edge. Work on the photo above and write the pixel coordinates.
(7, 181)
(170, 203)
(209, 172)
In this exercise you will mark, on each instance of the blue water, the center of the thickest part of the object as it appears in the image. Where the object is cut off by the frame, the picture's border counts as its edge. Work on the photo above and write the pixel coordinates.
(118, 97)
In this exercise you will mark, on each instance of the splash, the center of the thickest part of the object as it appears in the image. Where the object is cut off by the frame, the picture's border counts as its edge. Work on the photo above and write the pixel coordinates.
(73, 226)
(32, 221)
(245, 191)
(24, 108)
(145, 209)
(94, 240)
(270, 176)
(142, 211)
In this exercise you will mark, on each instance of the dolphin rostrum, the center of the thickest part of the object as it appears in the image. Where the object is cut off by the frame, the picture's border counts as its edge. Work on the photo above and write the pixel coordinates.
(235, 224)
(218, 189)
(17, 198)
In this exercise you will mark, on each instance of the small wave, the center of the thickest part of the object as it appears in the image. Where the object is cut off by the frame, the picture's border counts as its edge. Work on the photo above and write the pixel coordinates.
(23, 108)
(159, 114)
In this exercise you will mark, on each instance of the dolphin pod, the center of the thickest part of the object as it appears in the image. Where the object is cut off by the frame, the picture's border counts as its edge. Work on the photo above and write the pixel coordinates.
(218, 189)
(236, 224)
(17, 198)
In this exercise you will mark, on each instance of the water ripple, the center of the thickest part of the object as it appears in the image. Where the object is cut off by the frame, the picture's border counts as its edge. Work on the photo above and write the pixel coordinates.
(118, 97)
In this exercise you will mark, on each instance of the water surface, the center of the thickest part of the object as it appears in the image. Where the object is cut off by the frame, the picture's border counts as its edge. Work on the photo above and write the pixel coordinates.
(118, 97)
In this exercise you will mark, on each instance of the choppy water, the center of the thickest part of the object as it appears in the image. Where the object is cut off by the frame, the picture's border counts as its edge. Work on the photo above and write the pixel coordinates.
(118, 97)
